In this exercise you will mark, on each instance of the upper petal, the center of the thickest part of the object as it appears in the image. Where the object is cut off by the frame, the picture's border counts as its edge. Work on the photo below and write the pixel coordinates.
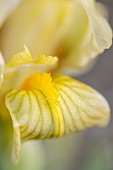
(101, 30)
(6, 7)
(73, 30)
(96, 38)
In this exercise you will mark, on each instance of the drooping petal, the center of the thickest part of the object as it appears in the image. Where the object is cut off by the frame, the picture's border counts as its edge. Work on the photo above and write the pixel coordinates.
(45, 109)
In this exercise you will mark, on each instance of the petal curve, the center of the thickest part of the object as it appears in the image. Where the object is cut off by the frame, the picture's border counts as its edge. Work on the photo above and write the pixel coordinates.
(34, 115)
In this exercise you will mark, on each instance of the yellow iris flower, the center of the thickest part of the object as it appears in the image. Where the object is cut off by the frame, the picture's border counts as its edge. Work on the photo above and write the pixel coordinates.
(74, 30)
(43, 105)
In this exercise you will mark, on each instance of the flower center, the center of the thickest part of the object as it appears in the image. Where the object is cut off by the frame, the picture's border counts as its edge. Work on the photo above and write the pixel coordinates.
(44, 83)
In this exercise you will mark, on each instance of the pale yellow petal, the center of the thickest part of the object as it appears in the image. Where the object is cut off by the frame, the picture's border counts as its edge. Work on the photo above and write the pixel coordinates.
(97, 37)
(6, 7)
(43, 24)
(101, 30)
(37, 114)
(91, 107)
(73, 30)
(49, 60)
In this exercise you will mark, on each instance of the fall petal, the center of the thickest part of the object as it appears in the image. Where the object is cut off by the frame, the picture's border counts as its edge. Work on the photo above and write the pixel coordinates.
(65, 106)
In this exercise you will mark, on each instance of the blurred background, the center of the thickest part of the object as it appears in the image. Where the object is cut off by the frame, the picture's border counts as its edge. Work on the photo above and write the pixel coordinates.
(91, 149)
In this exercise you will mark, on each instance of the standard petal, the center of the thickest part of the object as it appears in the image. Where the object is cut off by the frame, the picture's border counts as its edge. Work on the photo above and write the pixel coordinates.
(65, 106)
(101, 30)
(73, 30)
(97, 37)
(6, 7)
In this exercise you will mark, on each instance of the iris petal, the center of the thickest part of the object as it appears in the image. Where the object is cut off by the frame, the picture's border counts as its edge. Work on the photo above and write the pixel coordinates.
(34, 115)
(74, 30)
(6, 7)
(100, 28)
